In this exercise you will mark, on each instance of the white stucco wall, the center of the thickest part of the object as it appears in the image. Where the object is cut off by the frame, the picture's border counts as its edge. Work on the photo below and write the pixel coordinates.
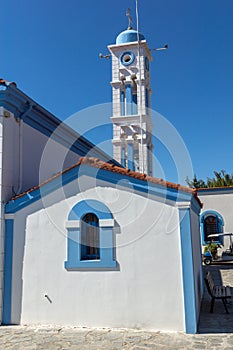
(43, 157)
(40, 157)
(21, 144)
(146, 291)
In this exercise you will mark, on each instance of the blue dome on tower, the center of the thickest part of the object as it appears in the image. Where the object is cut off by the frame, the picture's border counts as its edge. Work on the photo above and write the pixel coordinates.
(128, 36)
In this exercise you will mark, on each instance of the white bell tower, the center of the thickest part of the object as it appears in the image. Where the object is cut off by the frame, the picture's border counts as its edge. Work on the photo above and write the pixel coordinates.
(132, 124)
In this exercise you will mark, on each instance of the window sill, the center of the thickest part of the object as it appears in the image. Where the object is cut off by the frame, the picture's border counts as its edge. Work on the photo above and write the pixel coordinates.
(91, 265)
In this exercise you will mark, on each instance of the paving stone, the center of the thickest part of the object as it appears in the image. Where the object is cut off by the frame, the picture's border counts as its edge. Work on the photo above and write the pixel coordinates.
(26, 338)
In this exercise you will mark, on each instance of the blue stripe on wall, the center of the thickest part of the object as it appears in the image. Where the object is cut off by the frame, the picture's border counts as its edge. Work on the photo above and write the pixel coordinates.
(7, 286)
(188, 272)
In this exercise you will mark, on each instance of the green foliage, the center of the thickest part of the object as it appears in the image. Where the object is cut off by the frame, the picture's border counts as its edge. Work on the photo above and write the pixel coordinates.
(213, 248)
(221, 179)
(195, 183)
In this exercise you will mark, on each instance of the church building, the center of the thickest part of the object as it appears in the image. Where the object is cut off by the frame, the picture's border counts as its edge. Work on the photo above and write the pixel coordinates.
(87, 240)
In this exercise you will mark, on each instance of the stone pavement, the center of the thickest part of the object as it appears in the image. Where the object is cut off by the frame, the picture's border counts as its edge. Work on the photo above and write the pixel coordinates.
(54, 338)
(219, 321)
(215, 331)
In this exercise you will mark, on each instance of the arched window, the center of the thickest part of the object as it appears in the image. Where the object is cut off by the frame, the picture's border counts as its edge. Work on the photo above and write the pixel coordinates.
(123, 101)
(134, 99)
(90, 237)
(211, 223)
(90, 249)
(210, 226)
(128, 99)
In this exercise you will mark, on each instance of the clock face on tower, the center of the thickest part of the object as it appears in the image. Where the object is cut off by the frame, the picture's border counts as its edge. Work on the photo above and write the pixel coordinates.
(127, 58)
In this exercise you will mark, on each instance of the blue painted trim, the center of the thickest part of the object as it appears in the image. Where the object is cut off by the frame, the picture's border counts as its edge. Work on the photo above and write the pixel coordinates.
(90, 206)
(100, 174)
(137, 185)
(220, 228)
(214, 190)
(73, 247)
(7, 280)
(188, 272)
(130, 54)
(90, 265)
(106, 239)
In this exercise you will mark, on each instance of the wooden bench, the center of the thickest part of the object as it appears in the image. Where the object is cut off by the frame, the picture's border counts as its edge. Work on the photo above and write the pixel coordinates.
(217, 292)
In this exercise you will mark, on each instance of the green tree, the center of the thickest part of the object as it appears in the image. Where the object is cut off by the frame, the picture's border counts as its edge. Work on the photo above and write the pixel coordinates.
(195, 183)
(221, 179)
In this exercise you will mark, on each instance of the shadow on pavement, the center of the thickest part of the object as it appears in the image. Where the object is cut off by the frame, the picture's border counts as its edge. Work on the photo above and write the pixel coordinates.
(219, 321)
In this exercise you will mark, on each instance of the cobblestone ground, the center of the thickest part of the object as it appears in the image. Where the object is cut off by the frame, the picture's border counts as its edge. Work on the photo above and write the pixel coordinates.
(215, 331)
(46, 338)
(219, 321)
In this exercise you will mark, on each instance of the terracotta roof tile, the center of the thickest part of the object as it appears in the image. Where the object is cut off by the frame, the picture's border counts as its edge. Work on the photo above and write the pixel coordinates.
(97, 163)
(214, 188)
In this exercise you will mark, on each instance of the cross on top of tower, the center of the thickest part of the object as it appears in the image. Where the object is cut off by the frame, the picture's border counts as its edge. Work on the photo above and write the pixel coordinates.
(128, 14)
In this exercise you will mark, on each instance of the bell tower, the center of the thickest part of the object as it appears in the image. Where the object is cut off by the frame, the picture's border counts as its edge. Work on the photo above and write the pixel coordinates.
(132, 124)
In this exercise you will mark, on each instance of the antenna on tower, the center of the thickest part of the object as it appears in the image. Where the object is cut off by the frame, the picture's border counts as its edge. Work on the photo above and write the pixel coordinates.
(104, 56)
(140, 87)
(128, 14)
(160, 48)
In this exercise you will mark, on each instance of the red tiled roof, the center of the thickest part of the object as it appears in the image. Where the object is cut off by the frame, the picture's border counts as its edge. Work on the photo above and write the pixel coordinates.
(214, 188)
(97, 163)
(6, 83)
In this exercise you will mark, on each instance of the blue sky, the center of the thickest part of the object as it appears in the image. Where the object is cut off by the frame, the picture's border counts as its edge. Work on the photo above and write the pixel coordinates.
(50, 48)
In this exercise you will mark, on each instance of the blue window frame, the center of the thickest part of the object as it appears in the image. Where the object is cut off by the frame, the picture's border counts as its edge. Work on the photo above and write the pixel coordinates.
(90, 237)
(127, 58)
(211, 222)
